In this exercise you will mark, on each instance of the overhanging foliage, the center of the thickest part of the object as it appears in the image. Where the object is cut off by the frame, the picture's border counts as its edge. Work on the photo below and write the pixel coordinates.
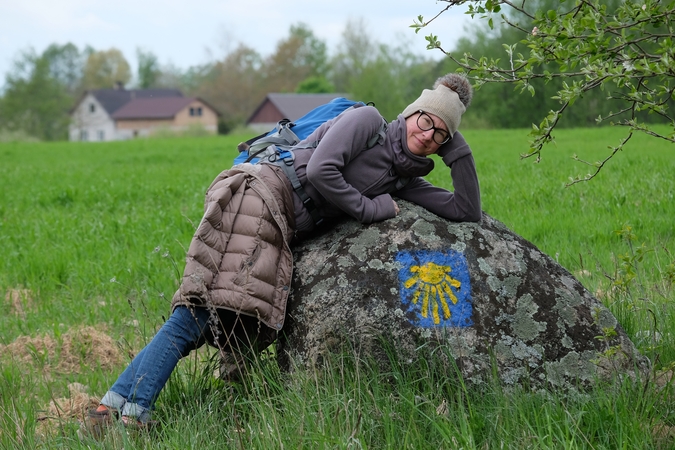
(625, 49)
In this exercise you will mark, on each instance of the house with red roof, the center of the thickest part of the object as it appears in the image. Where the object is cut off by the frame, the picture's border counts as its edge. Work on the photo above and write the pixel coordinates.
(118, 113)
(278, 106)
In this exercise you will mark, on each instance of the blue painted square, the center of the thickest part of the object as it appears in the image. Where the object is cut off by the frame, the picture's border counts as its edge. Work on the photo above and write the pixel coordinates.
(435, 285)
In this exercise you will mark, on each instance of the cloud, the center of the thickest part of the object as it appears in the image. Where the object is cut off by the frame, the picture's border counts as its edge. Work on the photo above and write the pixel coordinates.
(191, 34)
(64, 16)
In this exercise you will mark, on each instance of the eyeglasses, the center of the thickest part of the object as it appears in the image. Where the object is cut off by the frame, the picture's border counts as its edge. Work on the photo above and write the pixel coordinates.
(426, 123)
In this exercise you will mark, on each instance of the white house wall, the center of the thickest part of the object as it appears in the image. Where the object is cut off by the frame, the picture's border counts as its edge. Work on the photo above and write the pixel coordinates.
(92, 126)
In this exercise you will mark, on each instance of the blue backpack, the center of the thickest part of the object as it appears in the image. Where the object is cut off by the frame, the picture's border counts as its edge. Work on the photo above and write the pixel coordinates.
(287, 134)
(276, 146)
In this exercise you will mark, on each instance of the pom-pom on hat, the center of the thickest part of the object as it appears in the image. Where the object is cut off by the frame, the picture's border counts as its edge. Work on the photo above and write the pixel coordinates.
(448, 100)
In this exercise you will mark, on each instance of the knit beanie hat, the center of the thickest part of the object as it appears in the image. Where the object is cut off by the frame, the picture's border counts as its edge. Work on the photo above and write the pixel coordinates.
(448, 100)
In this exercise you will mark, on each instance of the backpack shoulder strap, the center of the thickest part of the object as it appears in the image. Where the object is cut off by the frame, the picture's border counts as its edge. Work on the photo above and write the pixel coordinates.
(285, 159)
(380, 135)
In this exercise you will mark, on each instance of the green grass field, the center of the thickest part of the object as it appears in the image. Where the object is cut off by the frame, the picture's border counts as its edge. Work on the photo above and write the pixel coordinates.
(95, 235)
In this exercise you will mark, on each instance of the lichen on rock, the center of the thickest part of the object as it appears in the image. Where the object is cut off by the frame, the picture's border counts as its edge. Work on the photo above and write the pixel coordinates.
(477, 290)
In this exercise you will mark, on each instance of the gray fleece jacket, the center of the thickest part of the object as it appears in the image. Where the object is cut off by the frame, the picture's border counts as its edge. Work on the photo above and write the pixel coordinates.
(342, 175)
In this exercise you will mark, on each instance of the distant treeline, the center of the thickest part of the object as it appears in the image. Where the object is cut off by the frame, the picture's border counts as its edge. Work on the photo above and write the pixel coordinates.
(42, 88)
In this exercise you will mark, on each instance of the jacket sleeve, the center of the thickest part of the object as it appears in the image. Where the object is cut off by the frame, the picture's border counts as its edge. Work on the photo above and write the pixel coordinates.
(462, 205)
(340, 144)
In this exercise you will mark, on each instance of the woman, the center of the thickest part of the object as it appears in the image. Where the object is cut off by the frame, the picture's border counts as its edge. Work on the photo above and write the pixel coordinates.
(239, 264)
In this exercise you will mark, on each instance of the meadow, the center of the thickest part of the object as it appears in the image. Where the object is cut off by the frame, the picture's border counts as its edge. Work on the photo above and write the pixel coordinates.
(93, 238)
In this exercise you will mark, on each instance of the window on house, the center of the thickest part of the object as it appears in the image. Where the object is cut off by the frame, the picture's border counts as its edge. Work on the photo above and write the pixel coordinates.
(83, 135)
(199, 111)
(192, 111)
(92, 108)
(101, 135)
(195, 112)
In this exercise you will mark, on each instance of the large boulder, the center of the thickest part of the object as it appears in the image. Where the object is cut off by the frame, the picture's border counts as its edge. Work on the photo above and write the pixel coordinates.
(487, 296)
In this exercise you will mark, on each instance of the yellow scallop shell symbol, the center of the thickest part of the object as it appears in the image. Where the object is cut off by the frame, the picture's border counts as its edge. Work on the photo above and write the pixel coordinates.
(434, 287)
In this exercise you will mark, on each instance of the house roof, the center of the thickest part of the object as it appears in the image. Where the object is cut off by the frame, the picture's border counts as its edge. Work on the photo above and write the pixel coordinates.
(152, 108)
(294, 106)
(156, 108)
(114, 99)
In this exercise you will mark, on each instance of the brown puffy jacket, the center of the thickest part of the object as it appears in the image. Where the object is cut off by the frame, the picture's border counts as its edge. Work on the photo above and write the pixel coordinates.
(239, 258)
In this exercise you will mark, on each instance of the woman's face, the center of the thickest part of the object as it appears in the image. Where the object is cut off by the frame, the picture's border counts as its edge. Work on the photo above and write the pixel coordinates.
(421, 142)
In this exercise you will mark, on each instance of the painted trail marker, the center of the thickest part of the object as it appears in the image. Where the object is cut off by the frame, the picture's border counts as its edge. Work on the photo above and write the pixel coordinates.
(436, 286)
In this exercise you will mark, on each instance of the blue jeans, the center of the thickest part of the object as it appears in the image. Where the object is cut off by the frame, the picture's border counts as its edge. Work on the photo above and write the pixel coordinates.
(137, 388)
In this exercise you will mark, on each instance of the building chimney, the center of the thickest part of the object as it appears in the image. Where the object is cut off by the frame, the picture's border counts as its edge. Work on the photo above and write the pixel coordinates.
(119, 86)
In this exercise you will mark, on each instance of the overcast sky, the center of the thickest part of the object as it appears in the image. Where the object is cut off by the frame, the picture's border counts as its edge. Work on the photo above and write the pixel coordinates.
(185, 34)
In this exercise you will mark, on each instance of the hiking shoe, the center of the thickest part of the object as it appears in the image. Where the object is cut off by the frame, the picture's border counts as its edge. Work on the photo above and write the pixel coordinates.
(133, 423)
(99, 419)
